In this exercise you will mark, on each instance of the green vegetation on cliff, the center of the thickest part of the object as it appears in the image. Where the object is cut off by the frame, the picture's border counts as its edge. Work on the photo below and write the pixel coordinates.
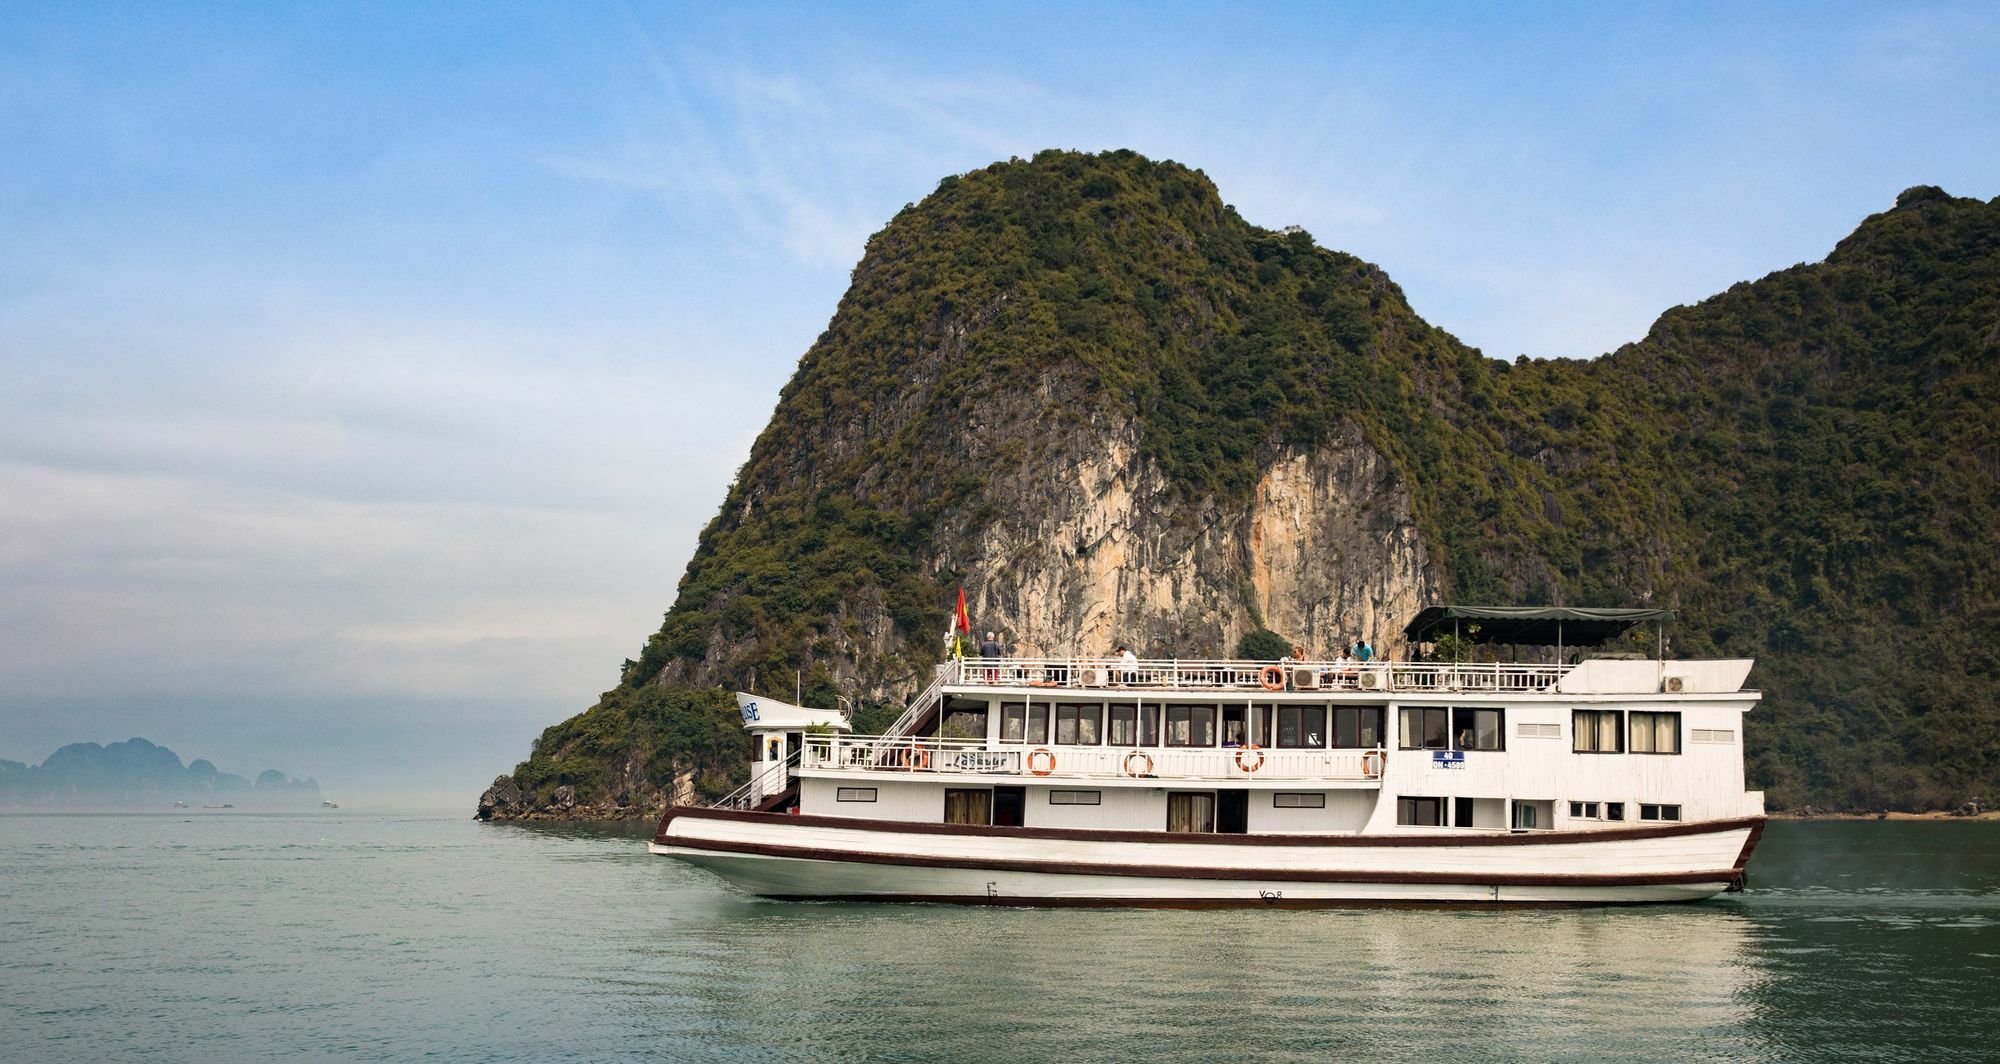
(1805, 465)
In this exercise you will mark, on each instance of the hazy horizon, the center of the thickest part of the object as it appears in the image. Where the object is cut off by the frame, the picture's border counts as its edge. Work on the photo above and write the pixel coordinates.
(368, 372)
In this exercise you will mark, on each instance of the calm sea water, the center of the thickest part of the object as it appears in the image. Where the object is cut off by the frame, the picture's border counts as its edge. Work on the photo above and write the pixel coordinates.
(227, 937)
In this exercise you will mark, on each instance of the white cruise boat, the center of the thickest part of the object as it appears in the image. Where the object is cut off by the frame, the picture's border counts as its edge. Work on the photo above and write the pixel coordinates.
(1613, 779)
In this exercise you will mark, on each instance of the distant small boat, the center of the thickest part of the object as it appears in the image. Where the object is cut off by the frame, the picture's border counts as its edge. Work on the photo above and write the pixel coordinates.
(329, 805)
(180, 805)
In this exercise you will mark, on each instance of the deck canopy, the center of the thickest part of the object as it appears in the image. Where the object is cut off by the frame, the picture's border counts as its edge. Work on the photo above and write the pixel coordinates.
(1528, 625)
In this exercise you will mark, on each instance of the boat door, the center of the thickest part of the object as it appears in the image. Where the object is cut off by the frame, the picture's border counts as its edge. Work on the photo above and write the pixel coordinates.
(1191, 811)
(1010, 806)
(1232, 812)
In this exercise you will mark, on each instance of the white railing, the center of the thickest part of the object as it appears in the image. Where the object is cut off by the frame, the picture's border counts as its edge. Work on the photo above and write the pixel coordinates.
(761, 785)
(1192, 675)
(922, 703)
(980, 757)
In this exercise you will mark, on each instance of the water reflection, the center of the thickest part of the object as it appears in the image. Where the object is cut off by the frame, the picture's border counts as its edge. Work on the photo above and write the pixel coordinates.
(944, 983)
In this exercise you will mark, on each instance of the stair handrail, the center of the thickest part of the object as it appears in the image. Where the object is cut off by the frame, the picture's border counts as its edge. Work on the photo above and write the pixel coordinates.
(919, 705)
(740, 797)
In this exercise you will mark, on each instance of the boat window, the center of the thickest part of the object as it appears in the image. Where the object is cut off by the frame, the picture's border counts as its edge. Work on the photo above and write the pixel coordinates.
(1656, 733)
(1302, 726)
(1420, 812)
(1425, 729)
(968, 806)
(1190, 725)
(1076, 797)
(1659, 812)
(1597, 731)
(1149, 725)
(1357, 727)
(1191, 811)
(1583, 810)
(1235, 725)
(1297, 800)
(1077, 723)
(1123, 725)
(1013, 722)
(1038, 722)
(964, 718)
(1614, 810)
(1263, 725)
(1477, 729)
(854, 794)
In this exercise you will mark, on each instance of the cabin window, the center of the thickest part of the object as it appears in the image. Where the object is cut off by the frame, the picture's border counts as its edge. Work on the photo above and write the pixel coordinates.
(1420, 812)
(1478, 729)
(1191, 811)
(1583, 810)
(1149, 725)
(1264, 725)
(1426, 729)
(1656, 733)
(968, 806)
(1461, 812)
(1597, 731)
(1297, 800)
(1013, 722)
(1357, 727)
(1076, 797)
(1614, 810)
(1235, 725)
(1539, 731)
(1077, 724)
(1123, 725)
(964, 718)
(1302, 726)
(1659, 812)
(1713, 735)
(854, 794)
(1190, 725)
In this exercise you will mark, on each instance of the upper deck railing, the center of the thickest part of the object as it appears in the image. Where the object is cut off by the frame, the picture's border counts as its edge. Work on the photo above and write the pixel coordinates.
(863, 753)
(1187, 675)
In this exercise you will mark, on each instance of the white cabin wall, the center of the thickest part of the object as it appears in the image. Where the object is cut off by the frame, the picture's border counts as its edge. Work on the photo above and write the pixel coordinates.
(1123, 809)
(894, 800)
(1345, 811)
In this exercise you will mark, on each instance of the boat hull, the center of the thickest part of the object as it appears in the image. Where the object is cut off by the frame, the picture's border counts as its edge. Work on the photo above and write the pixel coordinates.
(814, 857)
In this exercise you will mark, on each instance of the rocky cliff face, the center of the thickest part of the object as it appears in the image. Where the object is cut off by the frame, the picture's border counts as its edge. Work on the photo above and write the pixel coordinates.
(1085, 391)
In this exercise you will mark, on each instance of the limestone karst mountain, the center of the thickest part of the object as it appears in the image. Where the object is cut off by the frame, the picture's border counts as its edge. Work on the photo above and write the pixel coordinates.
(1085, 390)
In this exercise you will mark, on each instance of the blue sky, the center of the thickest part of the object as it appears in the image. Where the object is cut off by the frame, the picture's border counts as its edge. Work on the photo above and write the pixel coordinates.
(366, 371)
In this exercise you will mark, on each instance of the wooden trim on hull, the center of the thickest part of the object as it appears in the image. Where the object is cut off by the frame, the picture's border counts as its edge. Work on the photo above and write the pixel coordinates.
(1539, 838)
(1193, 903)
(1143, 871)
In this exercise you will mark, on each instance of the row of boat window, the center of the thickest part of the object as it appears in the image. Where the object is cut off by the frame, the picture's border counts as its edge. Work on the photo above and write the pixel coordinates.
(1418, 811)
(1593, 731)
(1124, 724)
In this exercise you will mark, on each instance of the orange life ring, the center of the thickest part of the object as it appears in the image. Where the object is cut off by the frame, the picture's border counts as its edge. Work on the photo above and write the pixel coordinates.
(1273, 678)
(1371, 764)
(1044, 752)
(1142, 755)
(1253, 766)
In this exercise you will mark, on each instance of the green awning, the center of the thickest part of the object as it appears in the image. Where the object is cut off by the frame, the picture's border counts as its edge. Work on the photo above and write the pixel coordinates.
(1574, 626)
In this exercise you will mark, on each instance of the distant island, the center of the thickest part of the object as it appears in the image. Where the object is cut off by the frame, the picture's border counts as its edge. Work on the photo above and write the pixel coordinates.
(139, 773)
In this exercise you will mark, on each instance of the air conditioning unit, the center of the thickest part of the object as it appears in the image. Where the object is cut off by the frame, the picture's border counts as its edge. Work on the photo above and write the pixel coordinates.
(1305, 679)
(1093, 678)
(1673, 685)
(1371, 681)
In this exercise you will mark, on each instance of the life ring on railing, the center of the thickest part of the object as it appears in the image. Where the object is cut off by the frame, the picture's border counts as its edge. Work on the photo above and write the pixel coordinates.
(1371, 764)
(1041, 751)
(1143, 756)
(1272, 677)
(1254, 765)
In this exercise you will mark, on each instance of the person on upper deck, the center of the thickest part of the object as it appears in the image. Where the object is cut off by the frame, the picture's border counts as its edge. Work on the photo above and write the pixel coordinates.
(1128, 665)
(992, 648)
(1362, 651)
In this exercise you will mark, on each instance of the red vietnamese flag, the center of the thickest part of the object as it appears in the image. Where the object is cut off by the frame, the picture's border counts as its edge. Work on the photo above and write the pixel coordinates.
(964, 622)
